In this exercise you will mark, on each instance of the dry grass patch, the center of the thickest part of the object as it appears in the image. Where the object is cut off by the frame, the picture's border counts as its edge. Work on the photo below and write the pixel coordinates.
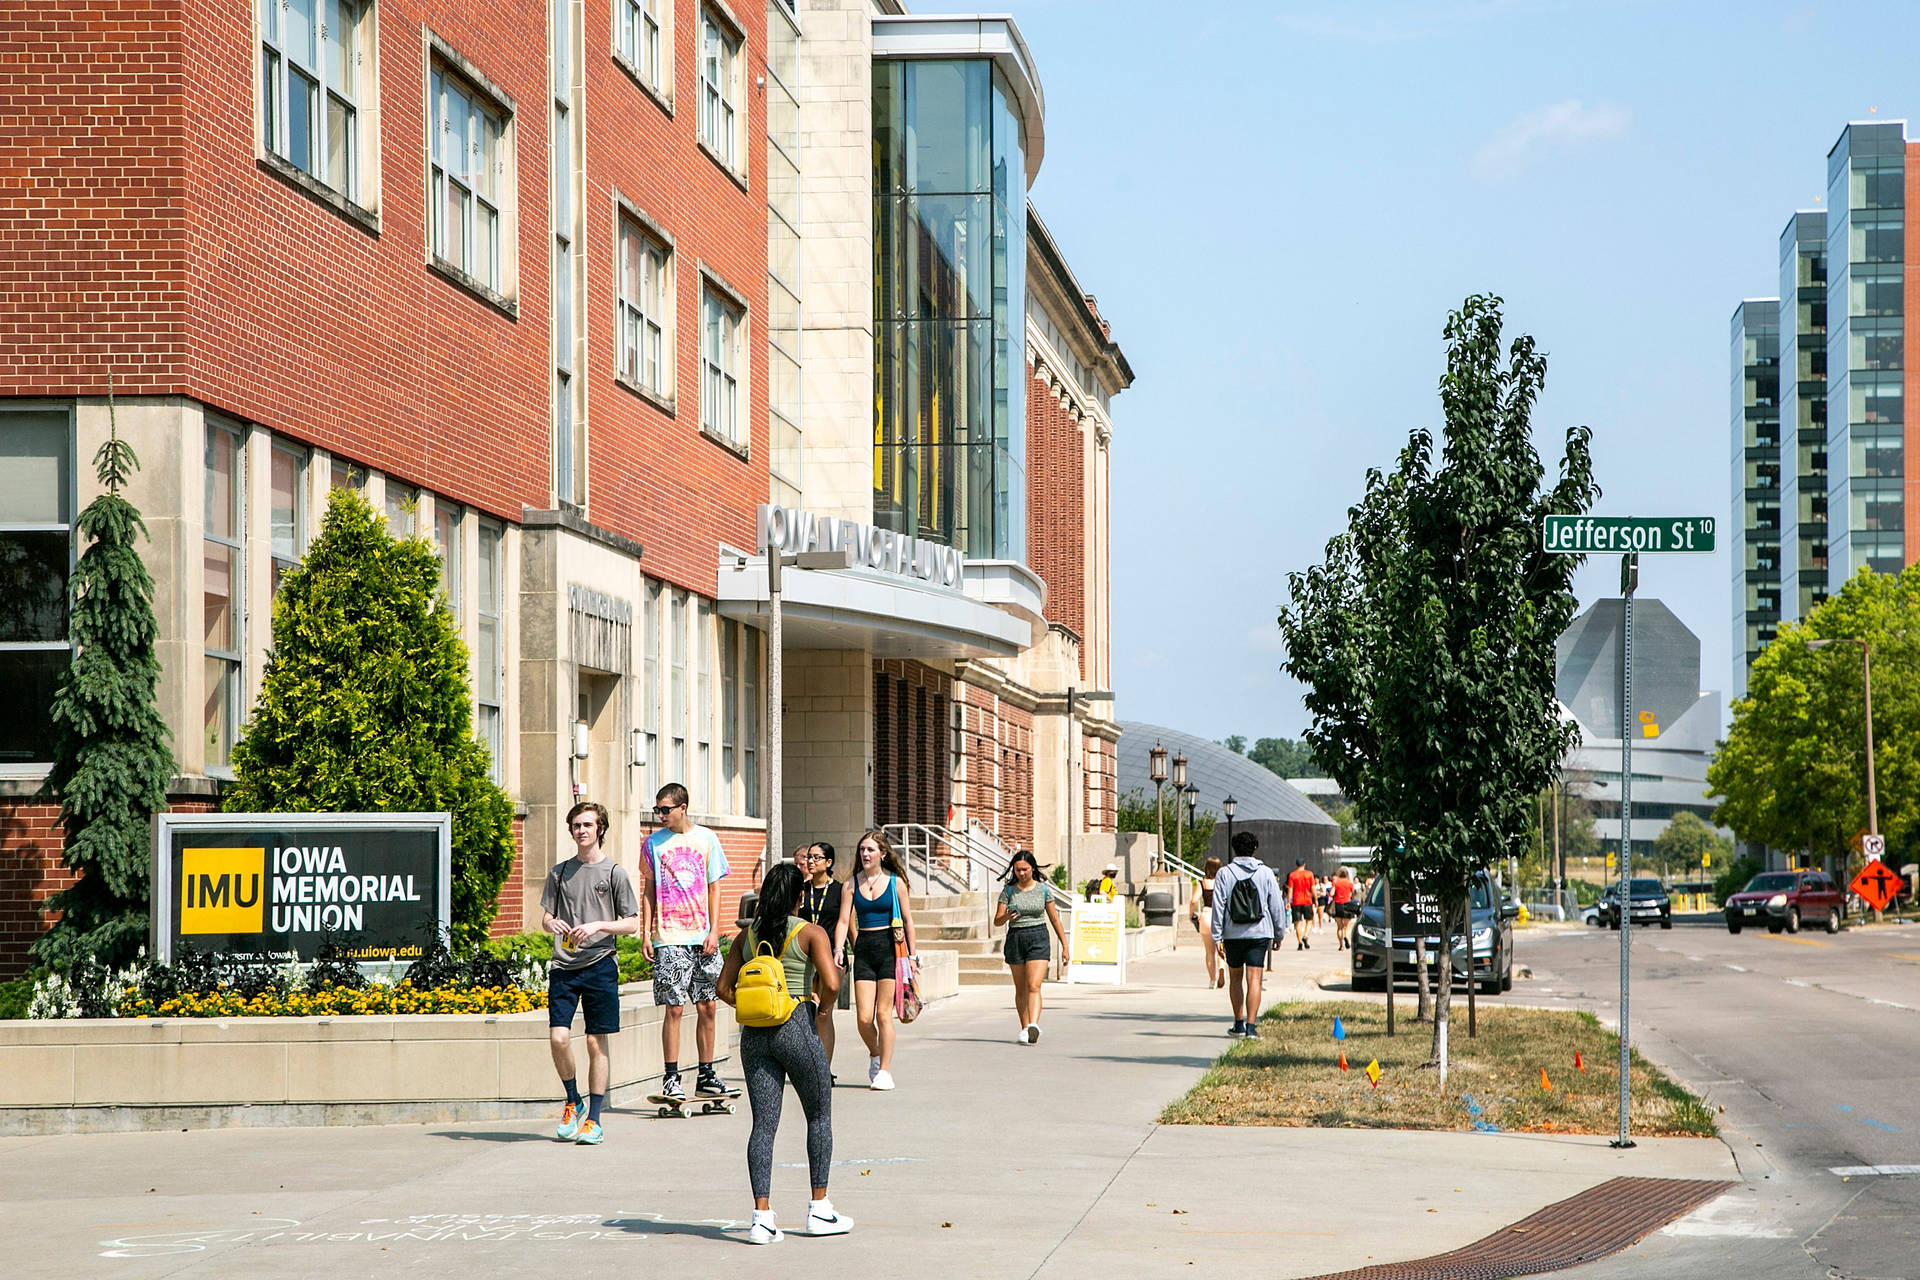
(1291, 1076)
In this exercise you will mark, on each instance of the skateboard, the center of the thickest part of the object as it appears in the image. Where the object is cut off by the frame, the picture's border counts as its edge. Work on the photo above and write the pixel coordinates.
(711, 1104)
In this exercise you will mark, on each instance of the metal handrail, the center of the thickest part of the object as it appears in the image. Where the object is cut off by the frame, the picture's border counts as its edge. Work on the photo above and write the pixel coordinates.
(1174, 862)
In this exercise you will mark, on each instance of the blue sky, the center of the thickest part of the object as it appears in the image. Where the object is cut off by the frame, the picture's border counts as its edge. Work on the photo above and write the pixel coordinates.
(1278, 203)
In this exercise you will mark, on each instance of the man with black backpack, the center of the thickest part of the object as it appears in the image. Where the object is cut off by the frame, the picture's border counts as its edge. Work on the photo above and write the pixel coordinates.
(1246, 906)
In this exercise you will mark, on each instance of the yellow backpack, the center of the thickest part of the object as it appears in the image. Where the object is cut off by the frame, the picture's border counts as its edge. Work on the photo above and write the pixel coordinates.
(760, 996)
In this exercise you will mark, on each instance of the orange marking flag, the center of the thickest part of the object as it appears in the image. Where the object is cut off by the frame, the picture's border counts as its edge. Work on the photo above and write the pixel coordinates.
(1343, 1059)
(1544, 1082)
(1576, 1062)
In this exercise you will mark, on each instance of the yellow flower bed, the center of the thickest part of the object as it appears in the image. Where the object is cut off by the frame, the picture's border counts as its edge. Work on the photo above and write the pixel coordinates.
(375, 1001)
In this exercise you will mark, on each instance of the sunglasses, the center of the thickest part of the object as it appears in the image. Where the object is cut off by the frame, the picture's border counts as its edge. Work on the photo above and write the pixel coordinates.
(664, 809)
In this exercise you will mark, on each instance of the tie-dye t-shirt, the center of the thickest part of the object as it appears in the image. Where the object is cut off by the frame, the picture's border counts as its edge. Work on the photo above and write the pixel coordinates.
(682, 867)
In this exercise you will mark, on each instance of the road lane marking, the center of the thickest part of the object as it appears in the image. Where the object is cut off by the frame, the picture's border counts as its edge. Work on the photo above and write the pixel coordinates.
(1739, 968)
(1698, 959)
(1901, 955)
(1874, 1170)
(1804, 942)
(1879, 1124)
(1795, 982)
(1891, 1004)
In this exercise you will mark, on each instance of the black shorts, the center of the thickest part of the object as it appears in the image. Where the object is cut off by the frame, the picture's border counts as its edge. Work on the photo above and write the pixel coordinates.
(1029, 943)
(594, 987)
(1246, 953)
(873, 956)
(1302, 911)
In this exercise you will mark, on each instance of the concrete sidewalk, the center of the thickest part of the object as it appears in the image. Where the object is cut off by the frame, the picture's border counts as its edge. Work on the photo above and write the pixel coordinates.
(991, 1159)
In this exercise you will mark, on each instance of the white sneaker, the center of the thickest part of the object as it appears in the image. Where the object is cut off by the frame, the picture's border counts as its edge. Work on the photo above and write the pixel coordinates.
(873, 1068)
(764, 1230)
(1032, 1033)
(1020, 1036)
(823, 1221)
(882, 1080)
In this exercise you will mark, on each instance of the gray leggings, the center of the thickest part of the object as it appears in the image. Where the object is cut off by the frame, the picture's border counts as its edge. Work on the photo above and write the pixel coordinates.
(771, 1056)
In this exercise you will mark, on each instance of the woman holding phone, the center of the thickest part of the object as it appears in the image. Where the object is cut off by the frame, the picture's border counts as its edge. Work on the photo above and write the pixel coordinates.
(1026, 907)
(878, 904)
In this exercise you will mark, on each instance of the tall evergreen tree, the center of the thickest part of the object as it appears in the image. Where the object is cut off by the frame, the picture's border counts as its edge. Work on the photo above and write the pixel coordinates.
(1426, 640)
(111, 757)
(366, 705)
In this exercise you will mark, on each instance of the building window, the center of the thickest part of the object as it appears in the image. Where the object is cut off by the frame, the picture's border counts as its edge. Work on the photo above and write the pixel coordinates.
(446, 540)
(644, 311)
(490, 651)
(639, 40)
(720, 324)
(750, 721)
(310, 77)
(720, 64)
(703, 697)
(569, 417)
(650, 657)
(677, 681)
(402, 504)
(224, 614)
(288, 518)
(468, 173)
(349, 475)
(36, 540)
(730, 713)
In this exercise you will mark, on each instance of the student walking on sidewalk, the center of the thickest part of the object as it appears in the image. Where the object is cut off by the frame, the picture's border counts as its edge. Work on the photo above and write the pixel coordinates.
(778, 1044)
(683, 865)
(1026, 907)
(587, 902)
(1300, 893)
(820, 904)
(1246, 912)
(1202, 903)
(880, 915)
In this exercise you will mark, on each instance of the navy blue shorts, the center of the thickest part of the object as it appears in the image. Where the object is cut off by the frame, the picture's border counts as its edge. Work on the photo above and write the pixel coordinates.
(595, 986)
(1245, 953)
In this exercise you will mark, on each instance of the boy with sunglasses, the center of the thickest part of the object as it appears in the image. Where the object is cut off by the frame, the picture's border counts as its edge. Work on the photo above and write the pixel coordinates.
(683, 866)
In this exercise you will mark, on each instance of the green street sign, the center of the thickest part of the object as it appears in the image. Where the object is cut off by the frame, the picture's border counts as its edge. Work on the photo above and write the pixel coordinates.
(1649, 535)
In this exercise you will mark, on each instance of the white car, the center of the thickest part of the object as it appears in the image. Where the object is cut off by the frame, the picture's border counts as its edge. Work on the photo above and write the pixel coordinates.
(1590, 914)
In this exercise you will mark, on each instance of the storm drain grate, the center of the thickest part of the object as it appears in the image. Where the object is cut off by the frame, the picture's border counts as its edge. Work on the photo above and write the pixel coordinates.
(1599, 1221)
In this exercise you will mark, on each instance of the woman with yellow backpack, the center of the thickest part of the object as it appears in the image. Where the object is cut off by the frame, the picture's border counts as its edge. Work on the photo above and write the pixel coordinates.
(769, 976)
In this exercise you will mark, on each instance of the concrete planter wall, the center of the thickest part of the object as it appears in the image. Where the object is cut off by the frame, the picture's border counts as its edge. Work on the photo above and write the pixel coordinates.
(86, 1075)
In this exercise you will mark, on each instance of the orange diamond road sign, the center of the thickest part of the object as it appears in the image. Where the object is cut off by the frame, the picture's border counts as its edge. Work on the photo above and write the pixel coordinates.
(1876, 885)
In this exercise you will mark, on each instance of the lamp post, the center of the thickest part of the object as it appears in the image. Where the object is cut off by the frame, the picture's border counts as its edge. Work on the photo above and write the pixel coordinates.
(776, 561)
(1179, 790)
(1228, 806)
(1193, 800)
(1157, 770)
(1866, 692)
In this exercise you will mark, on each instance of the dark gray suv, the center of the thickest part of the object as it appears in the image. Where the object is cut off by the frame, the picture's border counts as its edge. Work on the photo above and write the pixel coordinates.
(1492, 916)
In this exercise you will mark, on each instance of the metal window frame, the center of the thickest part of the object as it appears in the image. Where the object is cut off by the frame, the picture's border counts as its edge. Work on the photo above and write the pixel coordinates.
(732, 45)
(302, 515)
(273, 47)
(449, 548)
(498, 657)
(718, 379)
(235, 658)
(679, 712)
(630, 305)
(71, 504)
(444, 84)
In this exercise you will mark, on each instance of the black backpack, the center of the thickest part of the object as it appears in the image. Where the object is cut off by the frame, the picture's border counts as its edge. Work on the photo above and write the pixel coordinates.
(1243, 904)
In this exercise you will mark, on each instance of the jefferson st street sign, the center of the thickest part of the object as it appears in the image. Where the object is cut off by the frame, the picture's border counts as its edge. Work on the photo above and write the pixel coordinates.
(1651, 535)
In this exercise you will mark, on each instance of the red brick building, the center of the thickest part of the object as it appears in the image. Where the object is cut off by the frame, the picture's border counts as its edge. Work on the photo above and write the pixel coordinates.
(572, 290)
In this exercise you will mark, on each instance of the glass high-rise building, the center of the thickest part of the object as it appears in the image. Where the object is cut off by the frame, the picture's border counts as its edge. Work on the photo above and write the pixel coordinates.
(1756, 482)
(1866, 267)
(1803, 413)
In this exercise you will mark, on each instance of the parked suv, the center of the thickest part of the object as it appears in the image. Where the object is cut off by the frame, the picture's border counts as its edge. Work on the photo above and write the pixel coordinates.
(1491, 918)
(1786, 899)
(1649, 903)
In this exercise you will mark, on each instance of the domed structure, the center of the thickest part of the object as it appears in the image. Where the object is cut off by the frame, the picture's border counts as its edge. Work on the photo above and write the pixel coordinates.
(1288, 824)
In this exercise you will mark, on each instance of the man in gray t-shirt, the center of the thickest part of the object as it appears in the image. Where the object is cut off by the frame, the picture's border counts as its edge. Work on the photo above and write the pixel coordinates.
(586, 903)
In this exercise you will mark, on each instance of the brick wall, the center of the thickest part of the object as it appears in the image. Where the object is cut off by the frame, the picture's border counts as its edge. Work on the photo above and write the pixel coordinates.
(510, 914)
(912, 759)
(996, 764)
(142, 233)
(1056, 506)
(1100, 794)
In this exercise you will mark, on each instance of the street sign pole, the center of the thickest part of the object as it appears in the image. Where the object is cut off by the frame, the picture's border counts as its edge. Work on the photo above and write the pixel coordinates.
(1623, 902)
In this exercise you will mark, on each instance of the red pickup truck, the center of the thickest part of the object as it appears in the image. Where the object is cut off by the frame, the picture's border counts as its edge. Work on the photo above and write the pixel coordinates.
(1785, 900)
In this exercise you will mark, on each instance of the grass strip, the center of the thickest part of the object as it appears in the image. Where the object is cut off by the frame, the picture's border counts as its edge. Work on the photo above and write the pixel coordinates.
(1290, 1076)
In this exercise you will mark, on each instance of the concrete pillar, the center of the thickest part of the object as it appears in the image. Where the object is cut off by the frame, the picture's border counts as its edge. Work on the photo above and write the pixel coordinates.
(828, 721)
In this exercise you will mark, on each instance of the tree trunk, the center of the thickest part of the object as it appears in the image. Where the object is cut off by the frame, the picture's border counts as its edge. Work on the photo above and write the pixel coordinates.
(1425, 1009)
(1443, 997)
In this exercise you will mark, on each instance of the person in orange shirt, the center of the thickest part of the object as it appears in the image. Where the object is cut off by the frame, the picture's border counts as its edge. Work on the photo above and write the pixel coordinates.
(1343, 890)
(1300, 896)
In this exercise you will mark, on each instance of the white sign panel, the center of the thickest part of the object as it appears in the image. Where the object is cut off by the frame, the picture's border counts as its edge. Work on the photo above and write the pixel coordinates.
(1097, 943)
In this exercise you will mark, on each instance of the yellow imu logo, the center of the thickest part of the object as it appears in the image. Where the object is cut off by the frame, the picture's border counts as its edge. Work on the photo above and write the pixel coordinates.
(222, 890)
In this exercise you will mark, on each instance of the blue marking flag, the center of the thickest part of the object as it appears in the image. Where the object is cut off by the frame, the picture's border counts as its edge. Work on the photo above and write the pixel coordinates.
(1339, 1031)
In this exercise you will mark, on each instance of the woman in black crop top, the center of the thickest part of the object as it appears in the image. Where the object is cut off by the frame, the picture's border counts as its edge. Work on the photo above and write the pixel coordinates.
(820, 904)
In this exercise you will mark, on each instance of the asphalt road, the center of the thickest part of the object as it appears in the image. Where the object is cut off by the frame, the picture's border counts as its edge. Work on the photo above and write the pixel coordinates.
(1811, 1045)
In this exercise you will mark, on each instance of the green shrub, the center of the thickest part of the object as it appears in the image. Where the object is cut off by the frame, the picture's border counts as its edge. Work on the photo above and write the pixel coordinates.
(15, 996)
(366, 708)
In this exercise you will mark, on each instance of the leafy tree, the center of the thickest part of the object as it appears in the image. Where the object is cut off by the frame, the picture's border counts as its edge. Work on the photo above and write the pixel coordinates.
(1426, 640)
(1236, 743)
(111, 756)
(1734, 876)
(1678, 849)
(1137, 813)
(1286, 758)
(366, 706)
(1792, 772)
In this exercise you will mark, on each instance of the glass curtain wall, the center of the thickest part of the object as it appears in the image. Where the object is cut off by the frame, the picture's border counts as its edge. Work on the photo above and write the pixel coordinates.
(950, 250)
(1803, 414)
(1866, 251)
